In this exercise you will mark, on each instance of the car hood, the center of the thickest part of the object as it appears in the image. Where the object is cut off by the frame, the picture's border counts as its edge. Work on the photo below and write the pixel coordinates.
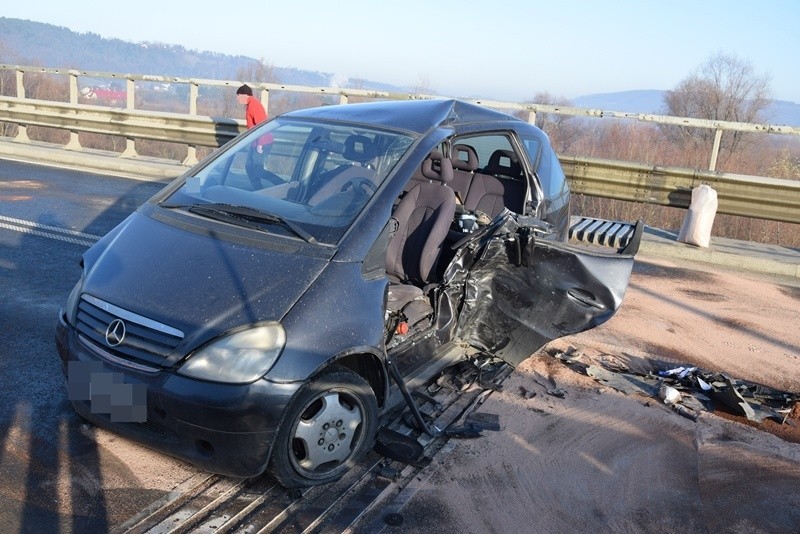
(191, 279)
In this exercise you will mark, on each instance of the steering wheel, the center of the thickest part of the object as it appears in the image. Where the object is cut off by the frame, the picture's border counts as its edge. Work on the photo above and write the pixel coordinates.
(358, 182)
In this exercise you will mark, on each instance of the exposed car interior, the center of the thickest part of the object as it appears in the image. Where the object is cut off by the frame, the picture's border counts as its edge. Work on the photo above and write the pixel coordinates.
(445, 200)
(316, 176)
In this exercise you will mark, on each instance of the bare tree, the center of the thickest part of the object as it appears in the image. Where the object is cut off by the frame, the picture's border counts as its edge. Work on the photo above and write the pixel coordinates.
(423, 86)
(258, 71)
(7, 80)
(562, 130)
(724, 88)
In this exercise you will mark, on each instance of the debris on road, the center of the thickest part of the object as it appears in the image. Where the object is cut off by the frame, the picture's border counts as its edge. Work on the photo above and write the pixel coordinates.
(669, 394)
(688, 390)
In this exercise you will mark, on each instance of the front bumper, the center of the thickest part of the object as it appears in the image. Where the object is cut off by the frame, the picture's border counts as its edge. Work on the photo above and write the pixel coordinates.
(221, 428)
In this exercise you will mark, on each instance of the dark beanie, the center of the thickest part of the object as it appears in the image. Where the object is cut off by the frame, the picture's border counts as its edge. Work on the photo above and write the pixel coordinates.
(244, 90)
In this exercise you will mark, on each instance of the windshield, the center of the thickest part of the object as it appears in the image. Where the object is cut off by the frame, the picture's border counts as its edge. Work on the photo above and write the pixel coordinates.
(315, 177)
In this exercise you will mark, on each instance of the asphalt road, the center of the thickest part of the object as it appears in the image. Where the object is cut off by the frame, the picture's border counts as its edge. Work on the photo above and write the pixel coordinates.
(48, 216)
(60, 475)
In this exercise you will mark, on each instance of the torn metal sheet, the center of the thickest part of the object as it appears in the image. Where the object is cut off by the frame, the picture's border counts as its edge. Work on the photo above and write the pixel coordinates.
(624, 382)
(732, 399)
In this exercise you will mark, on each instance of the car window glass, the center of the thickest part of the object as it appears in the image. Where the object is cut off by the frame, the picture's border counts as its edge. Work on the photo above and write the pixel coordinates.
(548, 169)
(486, 145)
(317, 175)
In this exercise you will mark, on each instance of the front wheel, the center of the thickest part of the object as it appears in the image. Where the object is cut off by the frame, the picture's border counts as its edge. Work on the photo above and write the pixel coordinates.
(329, 426)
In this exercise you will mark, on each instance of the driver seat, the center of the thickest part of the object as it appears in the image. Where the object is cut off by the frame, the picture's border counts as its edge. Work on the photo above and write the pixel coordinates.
(423, 217)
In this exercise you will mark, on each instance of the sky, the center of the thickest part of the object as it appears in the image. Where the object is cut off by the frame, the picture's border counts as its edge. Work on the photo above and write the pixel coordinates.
(492, 49)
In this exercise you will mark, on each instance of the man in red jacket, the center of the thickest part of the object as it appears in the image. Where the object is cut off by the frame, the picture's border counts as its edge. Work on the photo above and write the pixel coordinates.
(255, 113)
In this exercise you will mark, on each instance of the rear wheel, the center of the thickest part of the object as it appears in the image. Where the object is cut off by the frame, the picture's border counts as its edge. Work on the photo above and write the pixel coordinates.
(329, 426)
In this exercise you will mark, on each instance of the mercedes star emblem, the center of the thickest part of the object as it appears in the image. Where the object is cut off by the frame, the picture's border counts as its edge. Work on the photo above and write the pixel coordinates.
(115, 333)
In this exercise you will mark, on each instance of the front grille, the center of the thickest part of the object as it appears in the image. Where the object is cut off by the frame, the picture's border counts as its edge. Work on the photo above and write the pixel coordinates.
(144, 342)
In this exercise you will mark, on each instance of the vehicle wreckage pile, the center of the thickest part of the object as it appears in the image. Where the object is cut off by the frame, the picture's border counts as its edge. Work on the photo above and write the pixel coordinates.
(690, 390)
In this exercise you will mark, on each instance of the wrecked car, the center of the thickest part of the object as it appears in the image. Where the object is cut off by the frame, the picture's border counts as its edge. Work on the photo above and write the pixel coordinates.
(263, 310)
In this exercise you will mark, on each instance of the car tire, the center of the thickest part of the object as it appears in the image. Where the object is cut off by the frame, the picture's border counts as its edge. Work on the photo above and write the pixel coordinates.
(329, 425)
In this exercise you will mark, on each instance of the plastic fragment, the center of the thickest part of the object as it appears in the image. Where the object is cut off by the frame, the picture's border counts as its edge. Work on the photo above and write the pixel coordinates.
(705, 386)
(669, 394)
(680, 372)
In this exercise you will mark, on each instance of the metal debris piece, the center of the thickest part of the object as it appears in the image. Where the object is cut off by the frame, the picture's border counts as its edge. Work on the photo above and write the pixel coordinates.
(484, 420)
(550, 387)
(688, 413)
(462, 375)
(386, 471)
(624, 382)
(465, 431)
(569, 356)
(732, 399)
(613, 364)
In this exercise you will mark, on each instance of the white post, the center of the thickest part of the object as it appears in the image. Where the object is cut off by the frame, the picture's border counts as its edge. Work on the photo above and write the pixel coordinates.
(712, 166)
(20, 85)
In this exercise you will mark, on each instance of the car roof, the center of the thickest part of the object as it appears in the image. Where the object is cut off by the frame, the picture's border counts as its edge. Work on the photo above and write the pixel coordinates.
(418, 116)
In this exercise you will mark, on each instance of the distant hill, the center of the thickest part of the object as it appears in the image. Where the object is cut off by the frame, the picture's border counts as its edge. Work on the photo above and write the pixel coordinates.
(780, 112)
(641, 101)
(24, 42)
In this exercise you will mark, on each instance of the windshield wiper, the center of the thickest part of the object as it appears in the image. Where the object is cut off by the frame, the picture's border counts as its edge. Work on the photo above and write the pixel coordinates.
(239, 214)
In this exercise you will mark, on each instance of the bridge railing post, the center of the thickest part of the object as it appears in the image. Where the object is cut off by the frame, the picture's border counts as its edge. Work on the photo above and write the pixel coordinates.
(20, 84)
(191, 150)
(712, 165)
(22, 134)
(130, 94)
(264, 97)
(73, 87)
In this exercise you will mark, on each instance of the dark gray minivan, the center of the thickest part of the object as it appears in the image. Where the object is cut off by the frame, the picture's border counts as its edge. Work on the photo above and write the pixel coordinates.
(255, 313)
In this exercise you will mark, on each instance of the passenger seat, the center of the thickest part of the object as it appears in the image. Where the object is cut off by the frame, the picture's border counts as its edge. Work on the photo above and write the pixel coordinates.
(465, 162)
(499, 185)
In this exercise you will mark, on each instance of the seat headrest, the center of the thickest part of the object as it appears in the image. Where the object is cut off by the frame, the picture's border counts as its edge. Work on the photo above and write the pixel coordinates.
(359, 148)
(504, 162)
(437, 167)
(464, 158)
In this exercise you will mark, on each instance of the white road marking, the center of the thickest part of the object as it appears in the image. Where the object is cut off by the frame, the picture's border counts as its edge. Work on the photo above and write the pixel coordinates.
(51, 232)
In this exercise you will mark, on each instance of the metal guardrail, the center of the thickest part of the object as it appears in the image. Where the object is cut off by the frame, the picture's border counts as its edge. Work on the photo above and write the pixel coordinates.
(748, 196)
(343, 94)
(159, 126)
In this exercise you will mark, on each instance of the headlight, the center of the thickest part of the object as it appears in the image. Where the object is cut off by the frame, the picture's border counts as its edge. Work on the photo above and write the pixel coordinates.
(238, 358)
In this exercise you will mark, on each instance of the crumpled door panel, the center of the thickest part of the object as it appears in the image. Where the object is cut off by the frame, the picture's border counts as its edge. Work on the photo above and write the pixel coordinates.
(522, 292)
